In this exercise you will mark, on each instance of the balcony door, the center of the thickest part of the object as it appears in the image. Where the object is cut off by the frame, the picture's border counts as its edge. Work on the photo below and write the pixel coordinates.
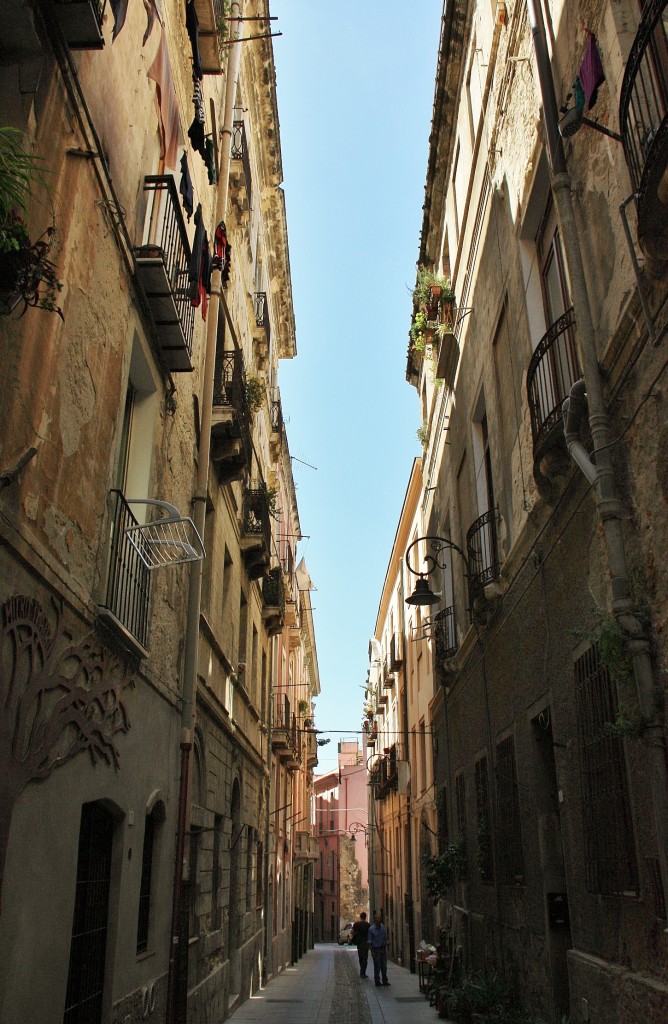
(556, 301)
(88, 946)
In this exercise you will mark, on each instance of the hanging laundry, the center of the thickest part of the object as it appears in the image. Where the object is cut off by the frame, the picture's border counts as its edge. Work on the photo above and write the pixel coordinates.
(591, 72)
(196, 136)
(195, 265)
(153, 11)
(210, 160)
(186, 186)
(221, 252)
(192, 26)
(579, 95)
(168, 111)
(119, 9)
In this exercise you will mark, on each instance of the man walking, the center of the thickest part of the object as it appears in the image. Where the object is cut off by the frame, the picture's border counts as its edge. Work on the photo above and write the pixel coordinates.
(358, 937)
(377, 941)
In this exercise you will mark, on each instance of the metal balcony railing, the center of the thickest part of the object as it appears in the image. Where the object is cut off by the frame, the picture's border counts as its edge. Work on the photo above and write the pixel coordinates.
(273, 593)
(229, 382)
(128, 581)
(445, 633)
(162, 268)
(256, 515)
(276, 412)
(553, 370)
(261, 307)
(643, 107)
(239, 151)
(81, 22)
(482, 546)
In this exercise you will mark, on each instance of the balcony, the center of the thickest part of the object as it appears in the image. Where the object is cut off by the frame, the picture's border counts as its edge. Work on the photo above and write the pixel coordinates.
(210, 14)
(126, 602)
(445, 335)
(643, 121)
(162, 271)
(273, 601)
(553, 370)
(482, 546)
(389, 677)
(445, 634)
(276, 422)
(396, 653)
(311, 749)
(81, 23)
(284, 733)
(387, 776)
(231, 448)
(255, 540)
(306, 846)
(240, 172)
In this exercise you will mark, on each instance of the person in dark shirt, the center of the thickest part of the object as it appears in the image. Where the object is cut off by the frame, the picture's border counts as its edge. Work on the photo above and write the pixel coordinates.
(358, 937)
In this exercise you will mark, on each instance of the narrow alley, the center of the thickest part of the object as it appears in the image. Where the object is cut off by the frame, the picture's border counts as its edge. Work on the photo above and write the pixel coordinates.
(325, 988)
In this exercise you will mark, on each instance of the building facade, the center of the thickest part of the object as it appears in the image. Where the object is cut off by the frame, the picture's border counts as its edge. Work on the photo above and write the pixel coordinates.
(342, 873)
(153, 614)
(542, 280)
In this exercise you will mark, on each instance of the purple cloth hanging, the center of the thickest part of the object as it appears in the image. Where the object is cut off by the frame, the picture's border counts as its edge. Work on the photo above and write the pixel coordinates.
(186, 186)
(591, 71)
(119, 9)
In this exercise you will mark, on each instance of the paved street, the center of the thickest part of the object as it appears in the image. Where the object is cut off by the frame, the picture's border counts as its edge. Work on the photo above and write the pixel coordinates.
(325, 988)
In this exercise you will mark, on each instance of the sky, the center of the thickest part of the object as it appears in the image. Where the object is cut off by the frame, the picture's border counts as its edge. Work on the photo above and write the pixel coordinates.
(355, 86)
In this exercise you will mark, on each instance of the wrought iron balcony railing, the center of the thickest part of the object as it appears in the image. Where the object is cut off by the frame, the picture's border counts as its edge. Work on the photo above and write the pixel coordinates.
(261, 307)
(162, 269)
(553, 370)
(445, 633)
(81, 22)
(482, 546)
(229, 384)
(126, 602)
(239, 151)
(256, 531)
(273, 593)
(643, 107)
(276, 412)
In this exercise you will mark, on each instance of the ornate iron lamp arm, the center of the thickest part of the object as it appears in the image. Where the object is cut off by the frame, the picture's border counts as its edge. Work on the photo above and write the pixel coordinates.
(432, 562)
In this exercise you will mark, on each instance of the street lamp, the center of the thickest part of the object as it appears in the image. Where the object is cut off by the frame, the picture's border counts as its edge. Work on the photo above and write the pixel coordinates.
(423, 594)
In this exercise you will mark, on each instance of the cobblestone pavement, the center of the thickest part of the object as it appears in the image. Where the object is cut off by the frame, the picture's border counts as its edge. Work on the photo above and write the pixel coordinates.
(325, 988)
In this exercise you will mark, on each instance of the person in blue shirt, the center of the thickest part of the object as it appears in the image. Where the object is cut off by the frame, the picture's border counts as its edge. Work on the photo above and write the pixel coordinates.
(377, 942)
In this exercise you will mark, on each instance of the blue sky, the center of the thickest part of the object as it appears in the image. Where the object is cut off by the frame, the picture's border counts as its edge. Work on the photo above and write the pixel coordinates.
(355, 85)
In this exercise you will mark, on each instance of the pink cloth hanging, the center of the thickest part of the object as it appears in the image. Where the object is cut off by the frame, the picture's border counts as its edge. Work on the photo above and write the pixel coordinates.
(168, 111)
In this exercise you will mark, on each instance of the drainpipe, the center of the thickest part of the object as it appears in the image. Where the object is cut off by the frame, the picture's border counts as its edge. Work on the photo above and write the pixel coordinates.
(266, 867)
(178, 941)
(408, 897)
(609, 505)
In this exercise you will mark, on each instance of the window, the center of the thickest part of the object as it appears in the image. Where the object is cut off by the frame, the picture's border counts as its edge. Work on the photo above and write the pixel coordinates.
(485, 857)
(216, 873)
(511, 858)
(608, 831)
(460, 808)
(423, 757)
(243, 637)
(88, 947)
(442, 812)
(552, 266)
(151, 828)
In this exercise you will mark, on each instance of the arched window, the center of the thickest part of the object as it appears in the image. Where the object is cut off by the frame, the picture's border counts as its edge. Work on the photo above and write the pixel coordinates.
(155, 815)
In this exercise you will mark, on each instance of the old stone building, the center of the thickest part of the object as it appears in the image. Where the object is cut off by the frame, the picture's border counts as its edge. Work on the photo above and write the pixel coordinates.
(542, 279)
(153, 615)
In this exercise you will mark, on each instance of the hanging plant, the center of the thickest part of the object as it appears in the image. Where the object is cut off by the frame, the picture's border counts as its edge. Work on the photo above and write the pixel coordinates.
(27, 274)
(253, 394)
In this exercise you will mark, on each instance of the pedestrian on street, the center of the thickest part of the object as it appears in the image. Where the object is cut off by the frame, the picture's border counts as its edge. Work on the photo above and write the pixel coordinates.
(358, 937)
(377, 941)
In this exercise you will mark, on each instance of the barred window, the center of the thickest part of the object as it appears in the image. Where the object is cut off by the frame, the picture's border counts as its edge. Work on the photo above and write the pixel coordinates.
(484, 854)
(610, 861)
(511, 858)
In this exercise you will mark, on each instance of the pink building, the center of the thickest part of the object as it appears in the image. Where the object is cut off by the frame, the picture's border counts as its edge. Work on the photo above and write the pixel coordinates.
(341, 822)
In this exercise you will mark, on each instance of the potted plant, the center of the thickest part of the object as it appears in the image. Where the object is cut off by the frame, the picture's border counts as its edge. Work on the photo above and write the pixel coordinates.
(26, 272)
(432, 293)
